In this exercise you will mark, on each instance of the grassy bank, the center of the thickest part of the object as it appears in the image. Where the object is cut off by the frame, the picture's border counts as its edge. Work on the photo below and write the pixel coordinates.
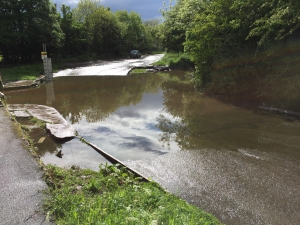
(176, 61)
(114, 196)
(21, 72)
(135, 71)
(33, 70)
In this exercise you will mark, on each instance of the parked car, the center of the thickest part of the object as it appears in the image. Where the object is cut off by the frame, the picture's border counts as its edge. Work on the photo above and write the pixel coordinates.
(135, 54)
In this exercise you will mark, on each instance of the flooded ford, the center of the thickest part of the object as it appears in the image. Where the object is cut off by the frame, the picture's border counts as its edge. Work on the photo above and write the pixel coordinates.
(239, 163)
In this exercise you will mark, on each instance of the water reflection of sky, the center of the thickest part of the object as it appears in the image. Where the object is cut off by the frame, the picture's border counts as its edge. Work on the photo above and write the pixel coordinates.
(119, 115)
(75, 153)
(130, 132)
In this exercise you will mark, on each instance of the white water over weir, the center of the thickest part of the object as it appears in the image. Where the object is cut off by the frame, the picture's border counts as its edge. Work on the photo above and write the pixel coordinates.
(116, 67)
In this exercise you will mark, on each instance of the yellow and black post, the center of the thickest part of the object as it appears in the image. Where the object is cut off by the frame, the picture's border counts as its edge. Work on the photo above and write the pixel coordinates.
(47, 64)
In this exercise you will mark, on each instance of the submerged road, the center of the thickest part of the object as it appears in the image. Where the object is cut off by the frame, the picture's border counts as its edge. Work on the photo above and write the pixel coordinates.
(116, 67)
(238, 187)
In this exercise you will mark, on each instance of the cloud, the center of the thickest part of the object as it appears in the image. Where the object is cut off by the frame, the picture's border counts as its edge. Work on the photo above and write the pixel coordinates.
(147, 9)
(130, 132)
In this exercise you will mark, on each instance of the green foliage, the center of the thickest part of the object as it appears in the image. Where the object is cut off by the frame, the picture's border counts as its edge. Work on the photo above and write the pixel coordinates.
(114, 196)
(176, 61)
(22, 72)
(75, 42)
(133, 33)
(99, 26)
(173, 29)
(37, 122)
(86, 8)
(153, 40)
(25, 25)
(105, 31)
(25, 128)
(211, 31)
(87, 30)
(278, 19)
(134, 71)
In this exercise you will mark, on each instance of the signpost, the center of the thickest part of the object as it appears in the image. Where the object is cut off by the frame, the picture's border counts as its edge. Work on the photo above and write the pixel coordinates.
(47, 64)
(49, 76)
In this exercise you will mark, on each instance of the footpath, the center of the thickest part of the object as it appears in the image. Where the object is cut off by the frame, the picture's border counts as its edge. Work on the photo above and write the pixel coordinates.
(21, 183)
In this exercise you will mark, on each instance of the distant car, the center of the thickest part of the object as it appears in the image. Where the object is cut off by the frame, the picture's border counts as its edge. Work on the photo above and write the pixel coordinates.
(135, 54)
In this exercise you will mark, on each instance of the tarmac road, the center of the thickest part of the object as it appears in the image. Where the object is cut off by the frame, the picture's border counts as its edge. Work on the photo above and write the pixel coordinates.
(21, 183)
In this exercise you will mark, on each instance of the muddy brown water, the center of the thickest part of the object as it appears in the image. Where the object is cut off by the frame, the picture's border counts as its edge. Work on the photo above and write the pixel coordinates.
(240, 164)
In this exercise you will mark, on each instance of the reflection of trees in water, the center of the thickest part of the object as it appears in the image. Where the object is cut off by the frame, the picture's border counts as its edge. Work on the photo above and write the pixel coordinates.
(175, 131)
(186, 106)
(272, 78)
(50, 145)
(95, 98)
(202, 122)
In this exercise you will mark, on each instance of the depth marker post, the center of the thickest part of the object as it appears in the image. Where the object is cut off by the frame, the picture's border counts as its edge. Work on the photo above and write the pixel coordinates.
(47, 64)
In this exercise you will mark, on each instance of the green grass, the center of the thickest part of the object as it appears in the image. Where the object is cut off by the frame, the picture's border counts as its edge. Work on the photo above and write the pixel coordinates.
(37, 122)
(135, 71)
(153, 52)
(22, 72)
(176, 61)
(114, 196)
(25, 128)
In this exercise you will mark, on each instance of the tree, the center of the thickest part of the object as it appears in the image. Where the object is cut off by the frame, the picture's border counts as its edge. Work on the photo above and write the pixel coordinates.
(223, 29)
(153, 35)
(173, 28)
(102, 28)
(75, 42)
(106, 32)
(132, 30)
(85, 8)
(25, 25)
(277, 20)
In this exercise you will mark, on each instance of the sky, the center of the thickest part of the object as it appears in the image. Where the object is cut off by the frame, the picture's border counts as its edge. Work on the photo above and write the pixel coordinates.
(148, 9)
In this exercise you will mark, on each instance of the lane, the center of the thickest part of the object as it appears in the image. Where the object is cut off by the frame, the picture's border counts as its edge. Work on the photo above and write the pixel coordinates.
(116, 67)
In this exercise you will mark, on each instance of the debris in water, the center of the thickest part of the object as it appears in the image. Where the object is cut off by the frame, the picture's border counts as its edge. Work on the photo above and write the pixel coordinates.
(59, 154)
(41, 140)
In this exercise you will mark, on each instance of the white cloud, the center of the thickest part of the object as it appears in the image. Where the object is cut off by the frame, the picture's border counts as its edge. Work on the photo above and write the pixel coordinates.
(130, 132)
